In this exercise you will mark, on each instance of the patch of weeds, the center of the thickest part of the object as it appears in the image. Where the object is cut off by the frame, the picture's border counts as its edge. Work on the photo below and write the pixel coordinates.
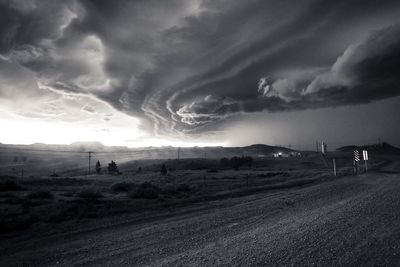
(67, 194)
(272, 174)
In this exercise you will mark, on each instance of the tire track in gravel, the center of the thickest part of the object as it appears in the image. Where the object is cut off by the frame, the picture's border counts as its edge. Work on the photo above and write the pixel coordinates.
(352, 220)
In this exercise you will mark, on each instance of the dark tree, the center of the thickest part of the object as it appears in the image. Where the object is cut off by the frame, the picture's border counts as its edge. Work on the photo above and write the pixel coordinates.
(249, 161)
(139, 170)
(98, 167)
(163, 170)
(224, 162)
(236, 162)
(112, 167)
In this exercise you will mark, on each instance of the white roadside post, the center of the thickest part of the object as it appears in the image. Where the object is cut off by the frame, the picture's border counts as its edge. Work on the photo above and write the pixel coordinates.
(365, 157)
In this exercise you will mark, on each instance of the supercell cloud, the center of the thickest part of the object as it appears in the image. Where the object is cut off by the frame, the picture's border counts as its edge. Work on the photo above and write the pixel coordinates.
(185, 67)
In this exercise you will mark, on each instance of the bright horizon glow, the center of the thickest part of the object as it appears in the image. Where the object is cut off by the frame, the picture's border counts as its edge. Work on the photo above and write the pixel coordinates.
(100, 123)
(63, 133)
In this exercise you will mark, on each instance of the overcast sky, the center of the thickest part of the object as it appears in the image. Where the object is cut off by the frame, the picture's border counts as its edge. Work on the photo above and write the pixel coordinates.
(200, 72)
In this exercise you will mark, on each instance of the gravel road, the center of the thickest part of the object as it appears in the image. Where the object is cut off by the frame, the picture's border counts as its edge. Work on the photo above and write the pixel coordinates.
(347, 221)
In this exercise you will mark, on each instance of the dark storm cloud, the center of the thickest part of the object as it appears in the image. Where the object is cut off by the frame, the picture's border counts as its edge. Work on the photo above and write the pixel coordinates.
(367, 71)
(185, 66)
(24, 23)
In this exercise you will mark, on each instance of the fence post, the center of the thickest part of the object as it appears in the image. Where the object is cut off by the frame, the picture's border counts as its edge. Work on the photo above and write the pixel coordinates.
(334, 166)
(358, 166)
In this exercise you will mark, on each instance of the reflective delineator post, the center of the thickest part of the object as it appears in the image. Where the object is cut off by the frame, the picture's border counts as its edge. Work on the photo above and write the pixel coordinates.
(356, 160)
(365, 157)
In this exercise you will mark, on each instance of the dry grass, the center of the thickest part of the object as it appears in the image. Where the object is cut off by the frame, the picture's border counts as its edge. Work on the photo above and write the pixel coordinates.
(40, 194)
(65, 199)
(90, 193)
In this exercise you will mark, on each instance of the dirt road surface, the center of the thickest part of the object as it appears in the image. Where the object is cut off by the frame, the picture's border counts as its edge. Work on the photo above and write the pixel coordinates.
(347, 221)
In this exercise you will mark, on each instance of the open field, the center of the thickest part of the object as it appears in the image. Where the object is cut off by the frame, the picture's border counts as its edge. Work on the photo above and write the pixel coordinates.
(39, 202)
(38, 208)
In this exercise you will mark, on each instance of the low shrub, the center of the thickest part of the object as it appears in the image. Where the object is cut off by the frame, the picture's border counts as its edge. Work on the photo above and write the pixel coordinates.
(90, 193)
(145, 190)
(176, 190)
(123, 187)
(183, 188)
(9, 185)
(40, 194)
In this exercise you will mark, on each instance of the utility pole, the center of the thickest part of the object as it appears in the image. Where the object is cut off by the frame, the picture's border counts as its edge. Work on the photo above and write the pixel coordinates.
(317, 145)
(323, 147)
(179, 152)
(90, 157)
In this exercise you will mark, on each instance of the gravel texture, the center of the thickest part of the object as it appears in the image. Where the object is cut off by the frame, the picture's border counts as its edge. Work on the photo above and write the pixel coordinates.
(346, 221)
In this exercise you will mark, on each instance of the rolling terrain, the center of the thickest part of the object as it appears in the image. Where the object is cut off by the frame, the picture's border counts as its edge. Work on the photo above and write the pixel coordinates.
(352, 220)
(277, 212)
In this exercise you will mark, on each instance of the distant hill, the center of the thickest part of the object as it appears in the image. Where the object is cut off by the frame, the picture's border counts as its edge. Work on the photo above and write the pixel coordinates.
(383, 148)
(267, 148)
(93, 144)
(88, 146)
(256, 150)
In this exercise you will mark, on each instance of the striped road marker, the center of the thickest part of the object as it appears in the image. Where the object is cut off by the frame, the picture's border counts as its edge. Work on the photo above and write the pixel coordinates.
(356, 155)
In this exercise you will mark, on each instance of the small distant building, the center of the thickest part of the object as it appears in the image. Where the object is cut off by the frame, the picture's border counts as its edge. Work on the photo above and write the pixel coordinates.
(294, 154)
(286, 155)
(280, 155)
